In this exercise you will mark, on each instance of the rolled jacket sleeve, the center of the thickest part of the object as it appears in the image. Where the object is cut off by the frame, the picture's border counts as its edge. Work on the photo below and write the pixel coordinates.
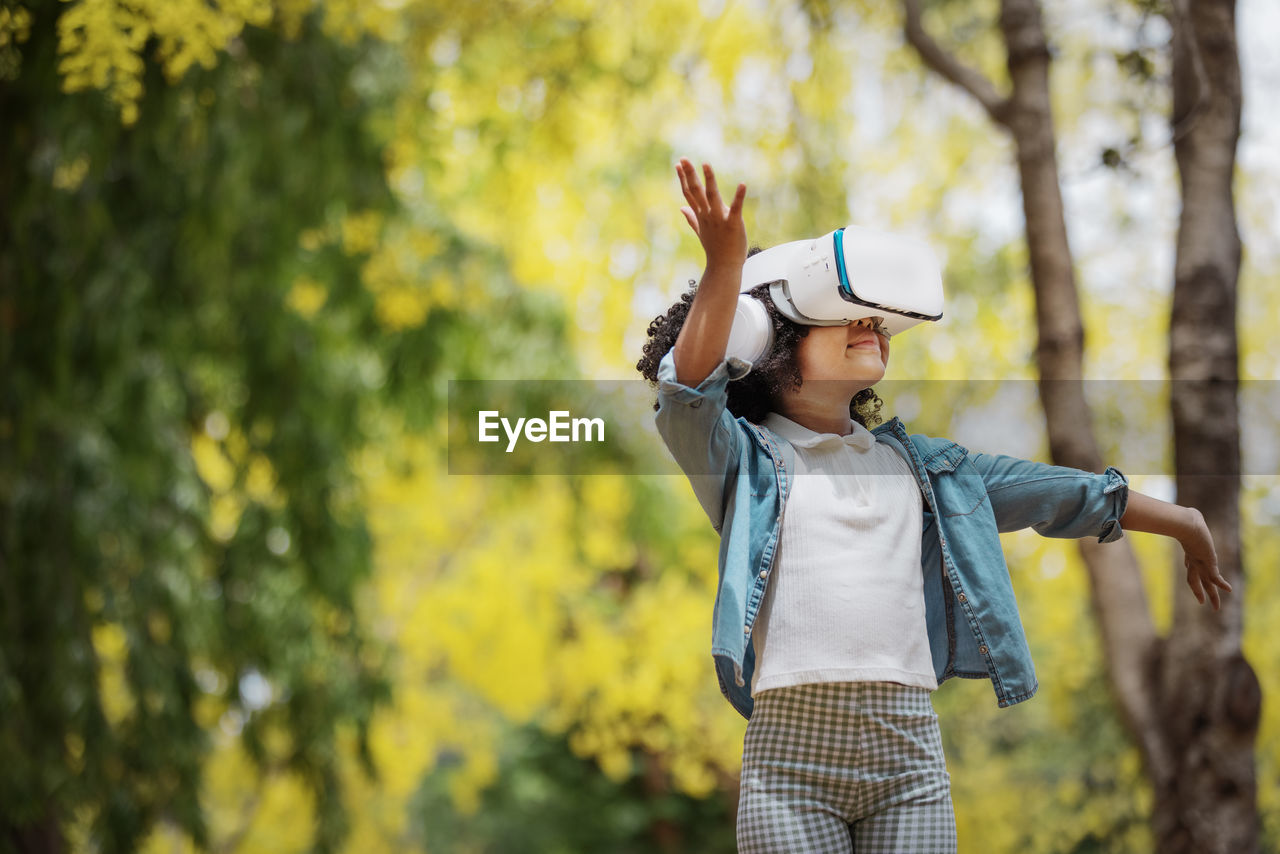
(700, 432)
(1055, 501)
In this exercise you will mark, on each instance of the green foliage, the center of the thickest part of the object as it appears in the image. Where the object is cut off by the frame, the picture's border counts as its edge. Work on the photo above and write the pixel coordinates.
(145, 271)
(550, 801)
(193, 348)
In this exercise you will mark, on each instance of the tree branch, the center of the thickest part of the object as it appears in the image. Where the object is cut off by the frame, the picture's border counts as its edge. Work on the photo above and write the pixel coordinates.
(951, 68)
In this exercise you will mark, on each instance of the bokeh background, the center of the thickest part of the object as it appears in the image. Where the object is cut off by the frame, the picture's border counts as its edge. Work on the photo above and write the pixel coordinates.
(244, 604)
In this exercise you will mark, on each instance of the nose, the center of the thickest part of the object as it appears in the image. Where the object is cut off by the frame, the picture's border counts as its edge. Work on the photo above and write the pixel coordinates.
(875, 324)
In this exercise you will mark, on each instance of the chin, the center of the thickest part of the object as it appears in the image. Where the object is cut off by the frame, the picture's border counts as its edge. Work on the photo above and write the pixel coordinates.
(872, 376)
(881, 357)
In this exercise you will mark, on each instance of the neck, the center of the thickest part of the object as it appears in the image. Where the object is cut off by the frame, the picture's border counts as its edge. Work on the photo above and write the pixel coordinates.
(820, 412)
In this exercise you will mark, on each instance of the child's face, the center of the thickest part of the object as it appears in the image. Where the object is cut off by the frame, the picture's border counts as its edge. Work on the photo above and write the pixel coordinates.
(855, 354)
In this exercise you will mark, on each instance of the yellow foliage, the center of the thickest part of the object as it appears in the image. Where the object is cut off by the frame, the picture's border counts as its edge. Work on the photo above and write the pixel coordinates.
(406, 286)
(68, 176)
(224, 516)
(402, 308)
(275, 814)
(15, 29)
(211, 463)
(100, 41)
(289, 14)
(480, 613)
(260, 482)
(15, 25)
(111, 647)
(307, 296)
(312, 239)
(220, 465)
(360, 232)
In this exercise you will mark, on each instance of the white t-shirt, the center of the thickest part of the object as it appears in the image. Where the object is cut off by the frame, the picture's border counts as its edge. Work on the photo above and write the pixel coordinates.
(846, 600)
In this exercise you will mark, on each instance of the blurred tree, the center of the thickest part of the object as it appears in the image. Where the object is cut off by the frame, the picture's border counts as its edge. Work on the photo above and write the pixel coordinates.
(238, 307)
(183, 371)
(547, 799)
(1190, 700)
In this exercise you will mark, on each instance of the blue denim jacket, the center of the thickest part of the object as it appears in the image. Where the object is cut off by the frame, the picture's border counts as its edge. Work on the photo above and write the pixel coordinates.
(740, 473)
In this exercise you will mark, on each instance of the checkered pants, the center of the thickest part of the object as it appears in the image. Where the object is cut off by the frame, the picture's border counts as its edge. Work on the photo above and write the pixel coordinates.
(845, 766)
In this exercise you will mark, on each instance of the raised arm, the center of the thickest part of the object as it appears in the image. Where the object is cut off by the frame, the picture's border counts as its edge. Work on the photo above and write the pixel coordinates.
(705, 334)
(693, 418)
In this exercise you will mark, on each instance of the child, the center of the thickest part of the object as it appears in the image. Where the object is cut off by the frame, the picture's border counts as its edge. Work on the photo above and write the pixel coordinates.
(858, 568)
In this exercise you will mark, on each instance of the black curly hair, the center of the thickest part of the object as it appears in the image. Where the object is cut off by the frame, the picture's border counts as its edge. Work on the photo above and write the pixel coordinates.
(755, 395)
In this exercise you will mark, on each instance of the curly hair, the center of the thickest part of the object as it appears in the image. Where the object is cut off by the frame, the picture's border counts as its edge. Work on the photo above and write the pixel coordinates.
(757, 394)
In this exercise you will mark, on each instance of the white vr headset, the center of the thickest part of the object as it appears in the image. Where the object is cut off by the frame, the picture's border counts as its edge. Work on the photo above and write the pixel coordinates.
(848, 274)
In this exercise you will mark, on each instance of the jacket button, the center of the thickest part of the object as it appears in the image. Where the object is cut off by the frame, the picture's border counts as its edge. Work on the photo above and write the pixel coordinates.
(983, 649)
(962, 597)
(763, 573)
(746, 630)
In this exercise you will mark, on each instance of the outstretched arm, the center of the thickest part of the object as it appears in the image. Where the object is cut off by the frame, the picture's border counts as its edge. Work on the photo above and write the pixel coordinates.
(1187, 526)
(1058, 501)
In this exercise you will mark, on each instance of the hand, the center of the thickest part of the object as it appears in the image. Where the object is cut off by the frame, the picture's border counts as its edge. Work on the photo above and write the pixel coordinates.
(719, 227)
(1202, 560)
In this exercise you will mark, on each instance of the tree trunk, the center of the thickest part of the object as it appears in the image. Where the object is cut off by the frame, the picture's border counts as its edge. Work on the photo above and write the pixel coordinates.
(1190, 702)
(1208, 802)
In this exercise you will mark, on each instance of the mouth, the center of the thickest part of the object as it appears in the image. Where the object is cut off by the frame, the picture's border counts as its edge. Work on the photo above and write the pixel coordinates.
(865, 344)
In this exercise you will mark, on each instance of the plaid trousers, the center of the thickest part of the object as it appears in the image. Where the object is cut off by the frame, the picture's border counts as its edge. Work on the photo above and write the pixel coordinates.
(845, 767)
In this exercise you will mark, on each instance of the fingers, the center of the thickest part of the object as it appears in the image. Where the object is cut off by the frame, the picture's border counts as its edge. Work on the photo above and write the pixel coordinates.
(1193, 580)
(684, 181)
(1196, 580)
(692, 189)
(1215, 581)
(693, 220)
(713, 190)
(706, 212)
(1212, 592)
(735, 209)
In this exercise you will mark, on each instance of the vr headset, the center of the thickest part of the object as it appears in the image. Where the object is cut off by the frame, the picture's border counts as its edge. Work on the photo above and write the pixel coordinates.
(849, 274)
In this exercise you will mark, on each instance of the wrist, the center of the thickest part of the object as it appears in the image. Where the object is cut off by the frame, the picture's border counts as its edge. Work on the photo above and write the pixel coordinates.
(722, 276)
(725, 264)
(1190, 524)
(1144, 513)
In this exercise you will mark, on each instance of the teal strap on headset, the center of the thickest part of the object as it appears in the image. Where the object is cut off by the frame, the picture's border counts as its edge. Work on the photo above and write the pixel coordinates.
(844, 279)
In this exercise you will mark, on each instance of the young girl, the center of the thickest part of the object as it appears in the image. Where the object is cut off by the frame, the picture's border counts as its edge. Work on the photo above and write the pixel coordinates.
(858, 569)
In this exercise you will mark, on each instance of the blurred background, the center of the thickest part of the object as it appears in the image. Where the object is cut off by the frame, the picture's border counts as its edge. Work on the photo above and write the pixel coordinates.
(244, 605)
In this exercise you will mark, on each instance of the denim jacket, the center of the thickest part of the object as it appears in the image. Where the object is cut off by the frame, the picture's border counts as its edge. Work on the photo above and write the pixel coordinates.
(741, 474)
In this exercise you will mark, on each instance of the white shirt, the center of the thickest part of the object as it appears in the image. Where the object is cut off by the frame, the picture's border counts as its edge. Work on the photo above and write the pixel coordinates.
(846, 598)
